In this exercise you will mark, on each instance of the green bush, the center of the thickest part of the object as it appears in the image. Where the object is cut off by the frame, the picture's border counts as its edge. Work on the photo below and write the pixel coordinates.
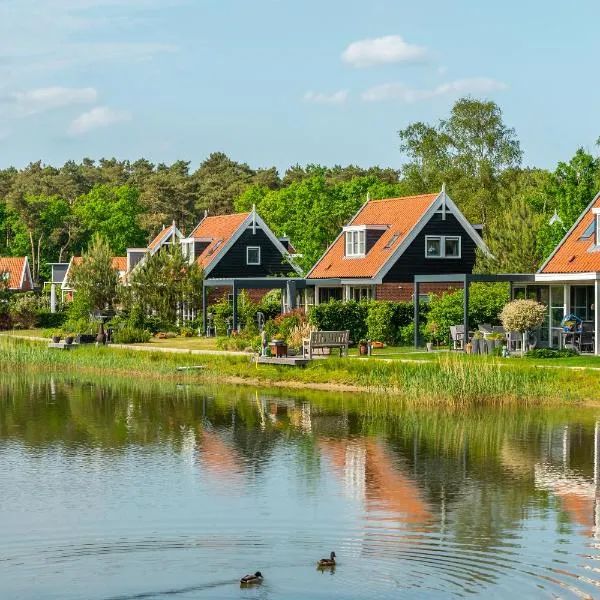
(222, 312)
(486, 300)
(49, 320)
(187, 332)
(288, 322)
(23, 310)
(336, 315)
(386, 321)
(131, 335)
(240, 343)
(270, 304)
(549, 353)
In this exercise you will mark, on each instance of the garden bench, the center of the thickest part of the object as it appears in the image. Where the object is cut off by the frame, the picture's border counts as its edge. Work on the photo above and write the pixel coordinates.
(319, 340)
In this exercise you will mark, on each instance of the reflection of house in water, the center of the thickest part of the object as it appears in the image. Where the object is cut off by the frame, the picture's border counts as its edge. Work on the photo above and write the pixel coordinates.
(368, 472)
(218, 457)
(570, 469)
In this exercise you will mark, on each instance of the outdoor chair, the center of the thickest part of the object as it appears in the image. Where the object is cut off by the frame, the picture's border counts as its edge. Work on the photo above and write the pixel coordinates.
(587, 338)
(457, 332)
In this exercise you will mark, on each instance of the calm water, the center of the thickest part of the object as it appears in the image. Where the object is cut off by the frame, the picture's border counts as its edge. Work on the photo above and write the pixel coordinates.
(135, 492)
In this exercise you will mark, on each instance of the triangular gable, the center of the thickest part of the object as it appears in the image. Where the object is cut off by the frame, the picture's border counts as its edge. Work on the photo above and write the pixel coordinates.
(163, 237)
(16, 268)
(229, 236)
(404, 219)
(572, 254)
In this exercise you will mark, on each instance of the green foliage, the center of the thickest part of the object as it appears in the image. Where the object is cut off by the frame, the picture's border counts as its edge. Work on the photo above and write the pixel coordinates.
(485, 303)
(288, 322)
(113, 213)
(339, 316)
(48, 320)
(240, 343)
(23, 310)
(549, 353)
(131, 335)
(385, 321)
(222, 313)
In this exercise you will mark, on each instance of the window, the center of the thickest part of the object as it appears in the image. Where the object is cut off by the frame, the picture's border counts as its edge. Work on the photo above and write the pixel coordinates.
(355, 242)
(253, 255)
(392, 240)
(597, 219)
(590, 230)
(359, 293)
(442, 246)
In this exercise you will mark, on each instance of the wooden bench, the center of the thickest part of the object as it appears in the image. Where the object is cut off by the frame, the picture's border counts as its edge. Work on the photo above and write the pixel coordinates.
(325, 339)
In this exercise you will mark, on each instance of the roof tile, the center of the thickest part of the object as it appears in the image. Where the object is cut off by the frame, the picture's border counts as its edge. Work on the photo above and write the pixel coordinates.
(399, 214)
(13, 265)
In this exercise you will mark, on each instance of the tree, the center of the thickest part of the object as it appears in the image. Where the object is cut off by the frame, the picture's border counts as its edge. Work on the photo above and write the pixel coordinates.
(95, 279)
(165, 282)
(512, 241)
(468, 151)
(522, 316)
(569, 190)
(113, 213)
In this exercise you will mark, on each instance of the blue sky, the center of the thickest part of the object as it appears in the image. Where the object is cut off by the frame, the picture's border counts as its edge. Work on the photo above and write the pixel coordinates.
(278, 82)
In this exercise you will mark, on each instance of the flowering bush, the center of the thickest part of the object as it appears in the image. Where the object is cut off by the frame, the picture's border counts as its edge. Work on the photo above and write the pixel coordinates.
(299, 333)
(286, 322)
(522, 315)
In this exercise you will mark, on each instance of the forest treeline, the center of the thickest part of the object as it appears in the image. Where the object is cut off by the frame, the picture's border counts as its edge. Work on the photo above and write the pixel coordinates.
(50, 213)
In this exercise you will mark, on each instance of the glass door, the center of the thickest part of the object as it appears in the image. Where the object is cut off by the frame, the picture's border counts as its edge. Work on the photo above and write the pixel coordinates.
(557, 313)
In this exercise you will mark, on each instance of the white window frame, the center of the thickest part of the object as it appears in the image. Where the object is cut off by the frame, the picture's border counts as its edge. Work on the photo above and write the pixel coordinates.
(248, 248)
(598, 229)
(355, 242)
(442, 239)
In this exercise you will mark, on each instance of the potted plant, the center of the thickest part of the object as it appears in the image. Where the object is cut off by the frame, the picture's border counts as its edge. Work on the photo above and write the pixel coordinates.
(476, 342)
(69, 337)
(363, 347)
(278, 346)
(56, 336)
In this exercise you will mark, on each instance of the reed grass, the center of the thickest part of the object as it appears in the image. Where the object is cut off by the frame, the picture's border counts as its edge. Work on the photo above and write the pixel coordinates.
(450, 379)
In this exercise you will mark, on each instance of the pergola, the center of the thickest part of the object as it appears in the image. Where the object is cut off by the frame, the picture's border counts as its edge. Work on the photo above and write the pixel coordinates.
(466, 279)
(290, 284)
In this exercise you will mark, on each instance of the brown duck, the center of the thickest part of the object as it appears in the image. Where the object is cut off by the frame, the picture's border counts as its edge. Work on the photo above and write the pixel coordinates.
(327, 562)
(252, 579)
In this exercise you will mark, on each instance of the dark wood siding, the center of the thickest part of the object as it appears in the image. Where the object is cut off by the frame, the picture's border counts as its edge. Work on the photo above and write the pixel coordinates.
(233, 263)
(413, 261)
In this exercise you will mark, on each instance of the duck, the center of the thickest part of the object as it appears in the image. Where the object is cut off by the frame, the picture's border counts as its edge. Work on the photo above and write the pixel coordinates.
(252, 579)
(327, 562)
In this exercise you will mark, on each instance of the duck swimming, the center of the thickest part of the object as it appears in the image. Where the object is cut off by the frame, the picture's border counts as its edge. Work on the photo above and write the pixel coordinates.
(327, 562)
(252, 579)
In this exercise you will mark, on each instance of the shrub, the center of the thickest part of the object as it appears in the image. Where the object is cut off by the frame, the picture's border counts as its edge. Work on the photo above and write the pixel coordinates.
(222, 312)
(336, 315)
(187, 332)
(522, 315)
(23, 310)
(385, 321)
(549, 353)
(240, 343)
(48, 320)
(287, 322)
(485, 303)
(299, 333)
(131, 335)
(270, 304)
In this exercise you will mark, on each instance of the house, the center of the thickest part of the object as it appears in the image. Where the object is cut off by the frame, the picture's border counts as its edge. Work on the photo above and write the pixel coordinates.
(167, 236)
(15, 273)
(388, 242)
(569, 283)
(119, 264)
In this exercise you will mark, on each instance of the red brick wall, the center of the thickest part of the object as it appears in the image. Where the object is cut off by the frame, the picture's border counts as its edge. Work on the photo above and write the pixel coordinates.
(403, 292)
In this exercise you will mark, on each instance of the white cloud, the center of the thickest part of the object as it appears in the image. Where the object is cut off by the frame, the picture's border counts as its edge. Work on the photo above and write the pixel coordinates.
(98, 117)
(384, 50)
(403, 93)
(338, 97)
(43, 99)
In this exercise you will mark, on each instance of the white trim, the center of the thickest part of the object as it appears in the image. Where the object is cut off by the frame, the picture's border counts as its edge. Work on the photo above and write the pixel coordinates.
(64, 285)
(358, 282)
(442, 197)
(253, 264)
(442, 239)
(174, 232)
(587, 208)
(360, 243)
(238, 233)
(560, 277)
(25, 270)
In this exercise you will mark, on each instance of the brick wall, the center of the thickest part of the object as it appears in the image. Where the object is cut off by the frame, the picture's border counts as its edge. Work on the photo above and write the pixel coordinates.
(403, 292)
(217, 293)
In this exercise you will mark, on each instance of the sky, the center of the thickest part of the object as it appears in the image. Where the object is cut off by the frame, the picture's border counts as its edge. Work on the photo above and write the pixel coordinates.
(280, 82)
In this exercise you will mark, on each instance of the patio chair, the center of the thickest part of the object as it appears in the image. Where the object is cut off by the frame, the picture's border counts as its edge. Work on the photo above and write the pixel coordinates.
(587, 338)
(457, 332)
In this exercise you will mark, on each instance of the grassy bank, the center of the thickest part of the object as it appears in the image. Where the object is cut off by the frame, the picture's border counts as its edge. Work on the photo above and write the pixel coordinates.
(448, 379)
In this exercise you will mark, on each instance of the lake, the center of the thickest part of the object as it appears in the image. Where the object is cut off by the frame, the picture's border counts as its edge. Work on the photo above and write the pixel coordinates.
(127, 490)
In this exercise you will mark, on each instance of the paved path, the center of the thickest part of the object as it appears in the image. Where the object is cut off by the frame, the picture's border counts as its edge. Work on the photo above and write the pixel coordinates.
(33, 338)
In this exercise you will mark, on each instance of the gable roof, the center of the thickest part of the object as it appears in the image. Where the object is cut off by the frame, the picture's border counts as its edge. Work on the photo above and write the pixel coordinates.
(162, 236)
(217, 231)
(17, 268)
(222, 231)
(573, 254)
(403, 218)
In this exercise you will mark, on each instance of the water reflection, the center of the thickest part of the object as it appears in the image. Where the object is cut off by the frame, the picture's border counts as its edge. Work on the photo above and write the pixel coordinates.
(127, 490)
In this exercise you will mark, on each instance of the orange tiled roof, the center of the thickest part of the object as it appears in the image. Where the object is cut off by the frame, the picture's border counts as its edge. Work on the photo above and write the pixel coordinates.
(219, 230)
(165, 231)
(572, 255)
(399, 214)
(13, 265)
